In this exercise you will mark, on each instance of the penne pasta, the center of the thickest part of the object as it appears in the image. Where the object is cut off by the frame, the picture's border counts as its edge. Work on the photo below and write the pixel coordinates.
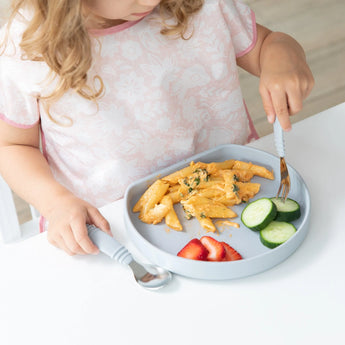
(206, 223)
(176, 196)
(155, 215)
(151, 197)
(185, 172)
(216, 166)
(205, 191)
(201, 206)
(256, 169)
(248, 190)
(172, 221)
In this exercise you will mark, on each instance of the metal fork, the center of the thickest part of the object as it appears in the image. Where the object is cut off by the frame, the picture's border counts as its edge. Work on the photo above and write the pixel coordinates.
(284, 186)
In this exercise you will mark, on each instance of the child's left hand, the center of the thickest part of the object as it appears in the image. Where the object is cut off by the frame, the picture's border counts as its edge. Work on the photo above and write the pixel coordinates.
(285, 77)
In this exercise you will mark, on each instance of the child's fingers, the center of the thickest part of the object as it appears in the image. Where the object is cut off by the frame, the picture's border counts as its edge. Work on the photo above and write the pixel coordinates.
(279, 100)
(59, 242)
(295, 101)
(308, 87)
(80, 234)
(65, 248)
(97, 219)
(71, 242)
(267, 104)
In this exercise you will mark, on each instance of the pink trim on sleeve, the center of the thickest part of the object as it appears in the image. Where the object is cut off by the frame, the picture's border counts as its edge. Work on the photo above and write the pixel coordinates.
(15, 124)
(255, 37)
(42, 224)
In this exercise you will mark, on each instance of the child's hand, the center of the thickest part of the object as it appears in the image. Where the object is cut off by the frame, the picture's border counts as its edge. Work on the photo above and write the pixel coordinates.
(67, 225)
(285, 79)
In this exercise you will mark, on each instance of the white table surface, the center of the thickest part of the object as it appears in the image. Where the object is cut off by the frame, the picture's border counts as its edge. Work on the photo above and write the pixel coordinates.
(47, 297)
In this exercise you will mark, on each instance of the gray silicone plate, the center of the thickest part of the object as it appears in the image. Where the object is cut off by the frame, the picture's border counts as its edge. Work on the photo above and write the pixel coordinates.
(160, 246)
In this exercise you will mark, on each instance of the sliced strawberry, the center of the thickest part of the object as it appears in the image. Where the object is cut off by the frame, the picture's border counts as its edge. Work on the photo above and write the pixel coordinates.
(194, 250)
(230, 253)
(215, 248)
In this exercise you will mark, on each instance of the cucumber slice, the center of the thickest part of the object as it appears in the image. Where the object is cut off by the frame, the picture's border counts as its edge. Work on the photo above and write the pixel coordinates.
(258, 214)
(287, 211)
(276, 233)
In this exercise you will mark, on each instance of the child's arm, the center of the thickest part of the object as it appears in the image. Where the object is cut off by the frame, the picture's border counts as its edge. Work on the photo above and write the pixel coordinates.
(285, 78)
(27, 172)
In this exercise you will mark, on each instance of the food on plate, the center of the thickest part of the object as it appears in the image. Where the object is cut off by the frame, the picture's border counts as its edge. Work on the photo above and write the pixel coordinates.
(205, 191)
(230, 253)
(209, 249)
(216, 251)
(287, 211)
(194, 250)
(276, 233)
(258, 214)
(222, 223)
(271, 217)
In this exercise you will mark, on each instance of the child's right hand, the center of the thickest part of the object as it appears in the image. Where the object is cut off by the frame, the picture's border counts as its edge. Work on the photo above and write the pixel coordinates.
(67, 221)
(27, 172)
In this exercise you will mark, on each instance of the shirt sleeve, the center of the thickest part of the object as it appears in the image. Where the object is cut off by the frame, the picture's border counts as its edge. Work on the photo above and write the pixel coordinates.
(242, 25)
(18, 102)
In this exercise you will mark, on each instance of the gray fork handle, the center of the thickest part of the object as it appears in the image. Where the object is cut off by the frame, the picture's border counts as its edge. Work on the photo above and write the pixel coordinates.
(108, 245)
(279, 138)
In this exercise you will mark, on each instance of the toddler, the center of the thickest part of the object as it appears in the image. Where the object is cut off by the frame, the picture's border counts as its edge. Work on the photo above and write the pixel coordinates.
(95, 94)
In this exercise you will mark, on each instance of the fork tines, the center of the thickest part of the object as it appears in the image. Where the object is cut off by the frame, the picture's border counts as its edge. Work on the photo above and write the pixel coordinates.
(284, 180)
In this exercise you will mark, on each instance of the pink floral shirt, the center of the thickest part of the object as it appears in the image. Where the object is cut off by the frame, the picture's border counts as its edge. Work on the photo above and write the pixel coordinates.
(166, 99)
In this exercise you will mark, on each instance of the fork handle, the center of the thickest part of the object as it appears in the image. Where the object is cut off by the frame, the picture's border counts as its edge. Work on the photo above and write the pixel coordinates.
(279, 138)
(108, 245)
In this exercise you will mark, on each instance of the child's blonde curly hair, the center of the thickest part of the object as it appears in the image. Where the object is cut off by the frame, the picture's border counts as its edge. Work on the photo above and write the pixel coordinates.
(57, 35)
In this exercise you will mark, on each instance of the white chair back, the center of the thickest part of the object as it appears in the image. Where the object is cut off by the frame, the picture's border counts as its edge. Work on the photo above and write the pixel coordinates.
(10, 229)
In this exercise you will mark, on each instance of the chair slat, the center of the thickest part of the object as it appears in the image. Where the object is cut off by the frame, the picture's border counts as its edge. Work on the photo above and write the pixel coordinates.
(9, 225)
